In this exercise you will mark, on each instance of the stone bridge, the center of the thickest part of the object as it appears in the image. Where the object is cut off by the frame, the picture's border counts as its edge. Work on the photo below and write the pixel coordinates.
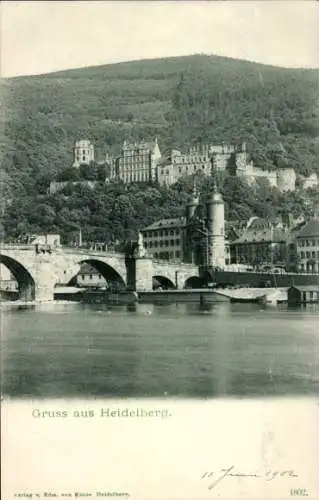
(39, 269)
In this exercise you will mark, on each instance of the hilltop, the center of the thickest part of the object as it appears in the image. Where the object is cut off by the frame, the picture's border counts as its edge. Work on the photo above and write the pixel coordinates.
(181, 100)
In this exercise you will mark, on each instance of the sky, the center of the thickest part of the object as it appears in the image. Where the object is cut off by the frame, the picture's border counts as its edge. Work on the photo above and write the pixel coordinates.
(40, 37)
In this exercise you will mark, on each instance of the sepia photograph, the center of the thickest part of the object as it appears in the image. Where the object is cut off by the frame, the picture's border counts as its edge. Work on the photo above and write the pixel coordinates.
(159, 249)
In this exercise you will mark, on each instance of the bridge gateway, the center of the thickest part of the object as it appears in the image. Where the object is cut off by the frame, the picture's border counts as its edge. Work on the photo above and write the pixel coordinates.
(38, 269)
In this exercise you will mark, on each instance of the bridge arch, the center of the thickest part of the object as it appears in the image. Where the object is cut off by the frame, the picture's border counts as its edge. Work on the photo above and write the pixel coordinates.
(109, 273)
(162, 282)
(193, 282)
(23, 276)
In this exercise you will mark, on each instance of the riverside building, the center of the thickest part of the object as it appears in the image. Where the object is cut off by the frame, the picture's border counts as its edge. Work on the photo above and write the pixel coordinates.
(308, 246)
(165, 239)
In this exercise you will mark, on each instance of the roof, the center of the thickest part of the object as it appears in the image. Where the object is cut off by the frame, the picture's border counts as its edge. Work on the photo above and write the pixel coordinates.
(166, 223)
(306, 288)
(310, 229)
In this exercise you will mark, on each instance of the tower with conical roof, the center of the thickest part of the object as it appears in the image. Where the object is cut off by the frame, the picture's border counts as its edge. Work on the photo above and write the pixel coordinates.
(215, 226)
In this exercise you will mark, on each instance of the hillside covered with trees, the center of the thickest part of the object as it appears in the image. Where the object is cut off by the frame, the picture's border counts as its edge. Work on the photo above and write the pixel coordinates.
(181, 100)
(115, 212)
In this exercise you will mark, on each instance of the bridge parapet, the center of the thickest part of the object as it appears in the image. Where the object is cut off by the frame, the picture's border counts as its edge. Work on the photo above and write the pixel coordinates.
(98, 253)
(16, 247)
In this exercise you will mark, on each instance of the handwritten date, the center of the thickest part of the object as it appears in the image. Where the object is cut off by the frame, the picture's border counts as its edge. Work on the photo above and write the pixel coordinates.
(213, 478)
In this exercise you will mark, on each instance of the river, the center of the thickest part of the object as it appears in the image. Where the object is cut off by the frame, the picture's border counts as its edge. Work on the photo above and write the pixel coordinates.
(176, 350)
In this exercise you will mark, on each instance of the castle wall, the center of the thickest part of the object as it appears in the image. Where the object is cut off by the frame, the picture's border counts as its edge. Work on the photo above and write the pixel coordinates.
(286, 179)
(271, 176)
(140, 163)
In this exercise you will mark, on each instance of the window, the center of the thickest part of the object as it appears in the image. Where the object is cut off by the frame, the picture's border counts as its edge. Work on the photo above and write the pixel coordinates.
(308, 255)
(83, 276)
(100, 276)
(91, 277)
(302, 255)
(177, 241)
(177, 253)
(172, 242)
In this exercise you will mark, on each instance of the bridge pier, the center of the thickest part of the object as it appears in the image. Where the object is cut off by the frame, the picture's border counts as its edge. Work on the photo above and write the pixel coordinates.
(143, 274)
(26, 292)
(46, 279)
(139, 274)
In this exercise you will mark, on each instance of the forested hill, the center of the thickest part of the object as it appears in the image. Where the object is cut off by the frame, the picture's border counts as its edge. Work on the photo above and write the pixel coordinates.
(182, 100)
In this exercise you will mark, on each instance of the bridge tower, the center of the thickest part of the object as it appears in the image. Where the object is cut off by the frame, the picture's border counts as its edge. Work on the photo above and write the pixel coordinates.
(215, 226)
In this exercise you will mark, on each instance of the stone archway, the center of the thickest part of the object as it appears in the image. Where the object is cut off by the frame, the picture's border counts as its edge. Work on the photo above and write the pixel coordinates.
(162, 282)
(193, 282)
(25, 280)
(112, 277)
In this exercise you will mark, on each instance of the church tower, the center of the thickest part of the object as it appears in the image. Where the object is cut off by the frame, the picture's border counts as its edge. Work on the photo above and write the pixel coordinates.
(215, 226)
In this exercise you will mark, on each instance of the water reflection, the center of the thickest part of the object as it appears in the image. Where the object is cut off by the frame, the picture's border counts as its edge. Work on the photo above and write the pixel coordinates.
(192, 350)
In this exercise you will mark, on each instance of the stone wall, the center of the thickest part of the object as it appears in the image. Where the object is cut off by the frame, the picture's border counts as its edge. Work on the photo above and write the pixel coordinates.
(229, 278)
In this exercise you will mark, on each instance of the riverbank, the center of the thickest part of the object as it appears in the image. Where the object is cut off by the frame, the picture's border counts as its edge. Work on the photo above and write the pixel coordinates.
(201, 295)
